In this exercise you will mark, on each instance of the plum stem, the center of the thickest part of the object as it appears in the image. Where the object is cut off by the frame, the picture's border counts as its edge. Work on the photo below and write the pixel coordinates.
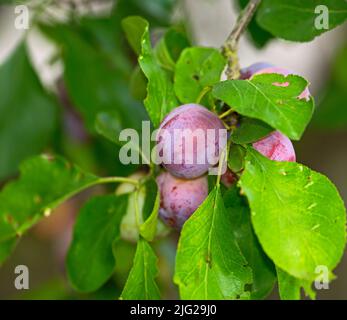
(230, 46)
(226, 113)
(203, 92)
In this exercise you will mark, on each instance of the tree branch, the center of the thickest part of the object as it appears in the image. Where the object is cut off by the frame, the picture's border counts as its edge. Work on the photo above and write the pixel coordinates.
(230, 47)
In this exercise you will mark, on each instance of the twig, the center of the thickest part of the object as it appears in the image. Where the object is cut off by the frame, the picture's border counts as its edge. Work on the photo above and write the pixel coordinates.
(230, 47)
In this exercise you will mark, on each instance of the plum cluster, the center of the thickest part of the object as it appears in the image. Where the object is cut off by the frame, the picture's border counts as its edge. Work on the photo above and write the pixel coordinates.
(184, 186)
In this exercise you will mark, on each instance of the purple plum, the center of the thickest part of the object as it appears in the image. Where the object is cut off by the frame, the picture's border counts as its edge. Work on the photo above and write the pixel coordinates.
(180, 198)
(190, 139)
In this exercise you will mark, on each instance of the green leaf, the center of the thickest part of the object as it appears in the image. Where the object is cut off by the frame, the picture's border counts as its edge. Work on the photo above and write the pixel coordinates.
(250, 130)
(196, 69)
(27, 113)
(141, 283)
(272, 98)
(170, 46)
(209, 264)
(142, 212)
(236, 159)
(160, 98)
(157, 12)
(297, 214)
(44, 183)
(295, 20)
(138, 84)
(134, 28)
(148, 229)
(90, 260)
(264, 275)
(290, 287)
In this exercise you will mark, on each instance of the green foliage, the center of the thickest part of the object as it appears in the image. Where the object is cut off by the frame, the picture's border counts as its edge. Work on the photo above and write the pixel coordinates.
(263, 98)
(141, 283)
(101, 89)
(298, 215)
(27, 113)
(201, 68)
(279, 222)
(290, 287)
(209, 264)
(236, 158)
(44, 183)
(160, 98)
(90, 260)
(295, 19)
(148, 229)
(250, 130)
(170, 46)
(264, 275)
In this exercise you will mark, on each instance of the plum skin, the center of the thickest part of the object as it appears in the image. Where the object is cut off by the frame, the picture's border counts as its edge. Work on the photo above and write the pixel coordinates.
(179, 198)
(189, 116)
(277, 147)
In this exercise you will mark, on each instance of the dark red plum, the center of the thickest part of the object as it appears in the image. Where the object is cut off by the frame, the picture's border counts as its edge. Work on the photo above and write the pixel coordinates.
(180, 198)
(192, 153)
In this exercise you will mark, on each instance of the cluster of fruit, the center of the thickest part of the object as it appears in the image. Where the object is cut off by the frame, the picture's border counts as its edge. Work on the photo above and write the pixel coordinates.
(184, 186)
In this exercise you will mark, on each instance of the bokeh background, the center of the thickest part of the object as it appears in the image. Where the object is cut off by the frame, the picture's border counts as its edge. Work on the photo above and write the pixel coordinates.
(92, 28)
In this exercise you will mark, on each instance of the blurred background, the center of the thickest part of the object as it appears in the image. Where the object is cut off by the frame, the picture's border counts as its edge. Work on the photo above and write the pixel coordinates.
(74, 57)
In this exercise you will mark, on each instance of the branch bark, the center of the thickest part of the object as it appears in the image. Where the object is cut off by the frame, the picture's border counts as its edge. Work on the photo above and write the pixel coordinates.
(230, 46)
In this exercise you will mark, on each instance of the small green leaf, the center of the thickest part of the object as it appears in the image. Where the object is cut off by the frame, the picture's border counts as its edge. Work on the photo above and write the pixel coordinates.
(250, 130)
(297, 20)
(44, 183)
(290, 287)
(141, 283)
(160, 98)
(209, 264)
(138, 84)
(264, 275)
(90, 260)
(272, 98)
(297, 214)
(134, 28)
(236, 159)
(170, 46)
(196, 69)
(150, 211)
(27, 113)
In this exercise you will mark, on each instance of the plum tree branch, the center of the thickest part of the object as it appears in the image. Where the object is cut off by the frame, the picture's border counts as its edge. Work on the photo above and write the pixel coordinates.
(230, 46)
